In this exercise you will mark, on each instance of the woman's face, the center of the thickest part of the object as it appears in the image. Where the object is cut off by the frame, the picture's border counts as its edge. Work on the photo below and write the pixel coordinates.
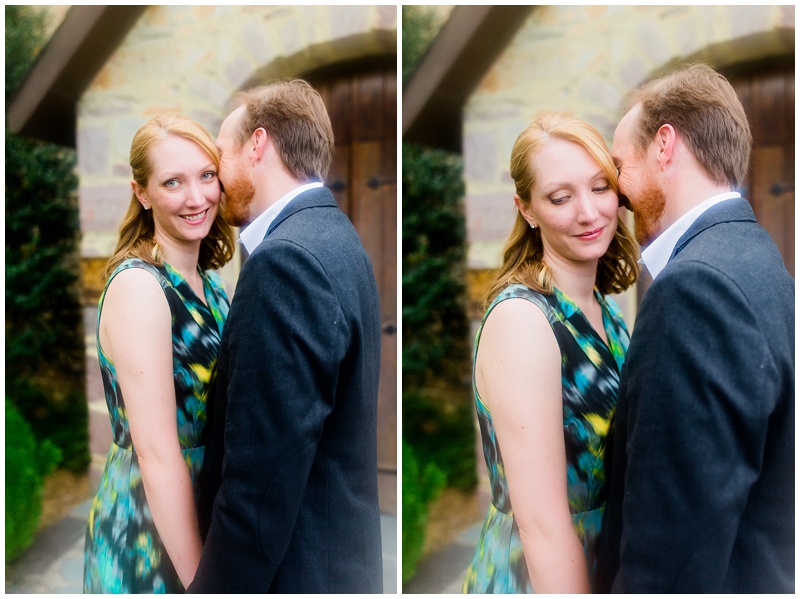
(572, 203)
(183, 191)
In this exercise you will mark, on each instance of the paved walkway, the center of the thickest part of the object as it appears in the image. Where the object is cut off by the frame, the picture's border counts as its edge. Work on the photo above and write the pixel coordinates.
(54, 562)
(444, 571)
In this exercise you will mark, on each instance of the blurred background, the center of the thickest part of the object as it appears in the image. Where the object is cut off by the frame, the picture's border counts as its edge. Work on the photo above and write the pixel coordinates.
(473, 78)
(80, 80)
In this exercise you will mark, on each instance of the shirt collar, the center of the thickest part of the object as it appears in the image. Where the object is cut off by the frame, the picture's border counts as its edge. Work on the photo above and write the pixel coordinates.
(656, 255)
(253, 234)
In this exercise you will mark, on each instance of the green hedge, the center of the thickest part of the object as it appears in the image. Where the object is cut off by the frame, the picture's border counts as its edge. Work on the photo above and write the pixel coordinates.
(438, 426)
(421, 486)
(27, 463)
(45, 354)
(438, 438)
(437, 403)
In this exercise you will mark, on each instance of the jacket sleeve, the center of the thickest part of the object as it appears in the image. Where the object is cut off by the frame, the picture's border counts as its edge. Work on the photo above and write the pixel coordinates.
(701, 386)
(287, 336)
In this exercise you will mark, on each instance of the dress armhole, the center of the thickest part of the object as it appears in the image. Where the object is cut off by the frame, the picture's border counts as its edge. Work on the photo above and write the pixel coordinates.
(127, 264)
(511, 292)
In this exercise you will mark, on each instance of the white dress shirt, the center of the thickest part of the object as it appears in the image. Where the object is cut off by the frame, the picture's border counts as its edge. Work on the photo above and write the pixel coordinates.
(656, 255)
(253, 234)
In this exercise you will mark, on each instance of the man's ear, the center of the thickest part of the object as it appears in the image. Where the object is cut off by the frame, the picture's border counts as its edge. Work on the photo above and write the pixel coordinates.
(258, 144)
(665, 143)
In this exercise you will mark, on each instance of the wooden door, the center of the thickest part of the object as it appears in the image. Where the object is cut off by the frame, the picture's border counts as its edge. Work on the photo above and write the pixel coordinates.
(363, 107)
(767, 94)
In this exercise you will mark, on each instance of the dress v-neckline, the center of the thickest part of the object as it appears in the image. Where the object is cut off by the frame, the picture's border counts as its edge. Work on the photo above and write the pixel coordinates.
(606, 321)
(201, 301)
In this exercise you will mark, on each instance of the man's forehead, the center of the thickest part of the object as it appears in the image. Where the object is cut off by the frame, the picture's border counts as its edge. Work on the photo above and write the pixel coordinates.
(632, 116)
(625, 125)
(227, 128)
(231, 120)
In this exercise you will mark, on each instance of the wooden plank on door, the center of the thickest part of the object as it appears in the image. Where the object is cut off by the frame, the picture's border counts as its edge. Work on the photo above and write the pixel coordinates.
(363, 108)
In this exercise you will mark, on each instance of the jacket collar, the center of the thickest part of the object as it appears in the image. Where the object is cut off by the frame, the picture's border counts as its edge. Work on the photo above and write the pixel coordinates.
(320, 197)
(735, 210)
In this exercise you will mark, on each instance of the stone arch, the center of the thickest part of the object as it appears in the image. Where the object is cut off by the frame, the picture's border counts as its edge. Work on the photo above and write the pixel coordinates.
(362, 47)
(776, 43)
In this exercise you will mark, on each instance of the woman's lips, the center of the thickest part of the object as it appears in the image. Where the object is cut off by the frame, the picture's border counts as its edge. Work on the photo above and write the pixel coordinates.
(195, 219)
(590, 235)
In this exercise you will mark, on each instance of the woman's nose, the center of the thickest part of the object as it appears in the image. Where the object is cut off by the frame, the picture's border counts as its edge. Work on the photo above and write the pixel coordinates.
(194, 194)
(587, 207)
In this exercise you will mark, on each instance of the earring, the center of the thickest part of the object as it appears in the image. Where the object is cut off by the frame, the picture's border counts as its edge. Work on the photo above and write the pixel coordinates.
(533, 226)
(146, 207)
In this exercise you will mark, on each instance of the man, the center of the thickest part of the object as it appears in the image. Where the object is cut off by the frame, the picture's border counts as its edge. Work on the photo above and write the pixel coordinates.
(291, 462)
(702, 471)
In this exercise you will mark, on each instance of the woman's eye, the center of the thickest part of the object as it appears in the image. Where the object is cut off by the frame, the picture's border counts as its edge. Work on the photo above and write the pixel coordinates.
(559, 200)
(171, 183)
(601, 189)
(208, 175)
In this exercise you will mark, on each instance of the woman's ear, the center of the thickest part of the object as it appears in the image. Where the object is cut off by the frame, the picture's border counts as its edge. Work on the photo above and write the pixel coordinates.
(138, 191)
(525, 211)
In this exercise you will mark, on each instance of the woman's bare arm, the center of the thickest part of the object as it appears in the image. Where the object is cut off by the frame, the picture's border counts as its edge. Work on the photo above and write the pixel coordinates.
(519, 378)
(136, 333)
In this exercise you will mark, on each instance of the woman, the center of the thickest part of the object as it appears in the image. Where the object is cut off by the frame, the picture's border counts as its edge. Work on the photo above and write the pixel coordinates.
(158, 335)
(547, 363)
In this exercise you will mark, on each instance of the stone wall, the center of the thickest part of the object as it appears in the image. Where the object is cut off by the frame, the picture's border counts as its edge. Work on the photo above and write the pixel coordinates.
(583, 60)
(192, 60)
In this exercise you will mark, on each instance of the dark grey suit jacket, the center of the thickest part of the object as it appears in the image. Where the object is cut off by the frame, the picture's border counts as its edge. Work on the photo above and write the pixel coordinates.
(291, 461)
(702, 469)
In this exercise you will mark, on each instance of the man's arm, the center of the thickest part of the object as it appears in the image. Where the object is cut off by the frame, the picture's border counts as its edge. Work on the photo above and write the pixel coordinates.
(699, 388)
(287, 338)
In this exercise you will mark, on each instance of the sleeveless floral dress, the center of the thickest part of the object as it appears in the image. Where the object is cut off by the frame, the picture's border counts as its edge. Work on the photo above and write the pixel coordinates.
(123, 551)
(590, 381)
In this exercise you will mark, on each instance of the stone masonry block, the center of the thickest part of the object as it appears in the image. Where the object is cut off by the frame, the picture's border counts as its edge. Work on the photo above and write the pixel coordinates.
(345, 21)
(480, 157)
(489, 216)
(102, 207)
(94, 148)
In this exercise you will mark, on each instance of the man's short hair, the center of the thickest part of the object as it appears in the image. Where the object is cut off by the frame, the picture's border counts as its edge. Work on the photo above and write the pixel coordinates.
(704, 109)
(294, 115)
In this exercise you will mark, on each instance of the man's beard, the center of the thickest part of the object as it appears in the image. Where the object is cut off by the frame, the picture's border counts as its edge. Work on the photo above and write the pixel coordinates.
(239, 194)
(647, 212)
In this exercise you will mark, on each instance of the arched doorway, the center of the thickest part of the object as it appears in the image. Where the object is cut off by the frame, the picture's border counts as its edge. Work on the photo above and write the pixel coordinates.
(362, 101)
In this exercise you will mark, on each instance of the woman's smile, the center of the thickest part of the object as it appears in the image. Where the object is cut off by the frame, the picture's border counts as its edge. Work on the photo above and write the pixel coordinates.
(591, 235)
(197, 218)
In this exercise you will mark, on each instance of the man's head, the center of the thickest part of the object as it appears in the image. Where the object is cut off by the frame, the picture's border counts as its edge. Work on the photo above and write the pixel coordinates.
(286, 120)
(639, 187)
(294, 115)
(693, 110)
